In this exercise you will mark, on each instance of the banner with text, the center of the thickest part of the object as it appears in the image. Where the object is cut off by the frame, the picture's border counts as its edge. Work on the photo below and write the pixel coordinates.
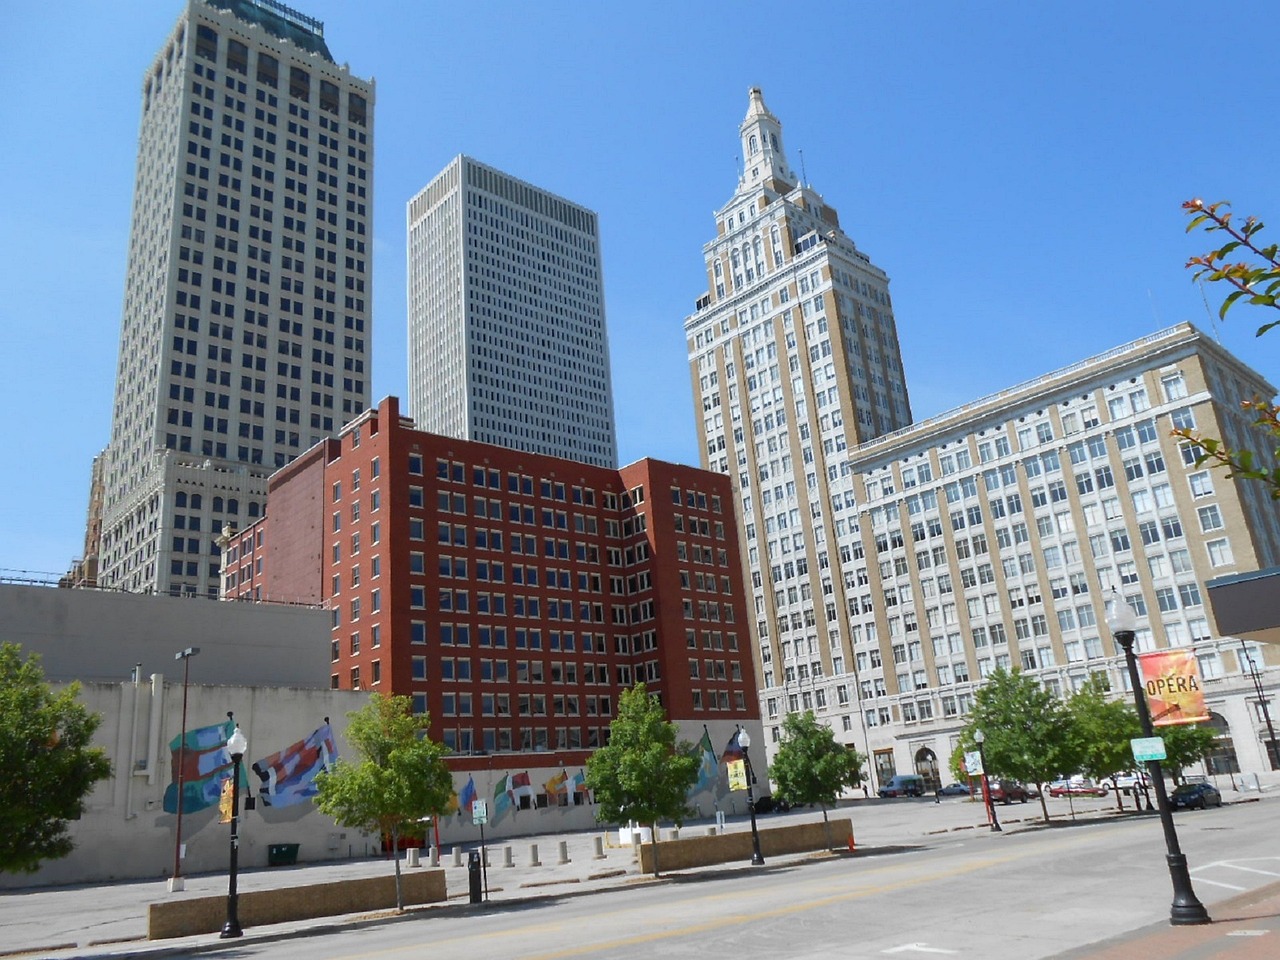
(1174, 689)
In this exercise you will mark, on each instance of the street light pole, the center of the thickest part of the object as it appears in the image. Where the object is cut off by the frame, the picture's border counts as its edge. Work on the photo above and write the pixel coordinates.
(1187, 908)
(1273, 753)
(175, 882)
(980, 738)
(744, 741)
(236, 746)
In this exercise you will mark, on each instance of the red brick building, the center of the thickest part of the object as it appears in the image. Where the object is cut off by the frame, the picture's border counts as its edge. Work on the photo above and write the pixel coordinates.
(512, 595)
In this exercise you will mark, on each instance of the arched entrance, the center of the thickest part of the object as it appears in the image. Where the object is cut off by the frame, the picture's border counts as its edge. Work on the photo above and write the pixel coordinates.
(1221, 758)
(927, 767)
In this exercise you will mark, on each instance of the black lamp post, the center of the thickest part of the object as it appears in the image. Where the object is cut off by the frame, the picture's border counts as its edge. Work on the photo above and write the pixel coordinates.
(175, 881)
(236, 746)
(744, 741)
(1186, 908)
(980, 738)
(1273, 752)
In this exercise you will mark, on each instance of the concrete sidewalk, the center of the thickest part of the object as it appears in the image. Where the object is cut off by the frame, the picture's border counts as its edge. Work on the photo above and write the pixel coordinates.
(111, 919)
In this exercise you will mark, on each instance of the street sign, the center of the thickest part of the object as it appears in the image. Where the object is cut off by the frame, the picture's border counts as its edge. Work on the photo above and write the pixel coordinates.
(480, 811)
(1148, 748)
(973, 763)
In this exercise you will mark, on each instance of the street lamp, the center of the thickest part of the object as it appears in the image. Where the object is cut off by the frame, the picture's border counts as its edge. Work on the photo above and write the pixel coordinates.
(1186, 908)
(980, 738)
(1273, 752)
(236, 746)
(744, 741)
(175, 881)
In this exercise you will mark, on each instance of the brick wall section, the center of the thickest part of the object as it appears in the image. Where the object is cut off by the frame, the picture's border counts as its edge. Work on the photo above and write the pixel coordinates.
(187, 917)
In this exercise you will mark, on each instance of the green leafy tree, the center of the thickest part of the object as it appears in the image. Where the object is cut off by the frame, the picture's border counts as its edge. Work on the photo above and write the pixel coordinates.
(643, 773)
(1185, 744)
(1252, 271)
(1102, 728)
(399, 780)
(49, 767)
(1027, 728)
(811, 767)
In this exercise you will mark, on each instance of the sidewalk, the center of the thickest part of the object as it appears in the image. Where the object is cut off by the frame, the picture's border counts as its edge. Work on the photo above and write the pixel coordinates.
(112, 918)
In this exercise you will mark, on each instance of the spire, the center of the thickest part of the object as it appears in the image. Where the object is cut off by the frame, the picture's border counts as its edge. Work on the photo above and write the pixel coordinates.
(763, 159)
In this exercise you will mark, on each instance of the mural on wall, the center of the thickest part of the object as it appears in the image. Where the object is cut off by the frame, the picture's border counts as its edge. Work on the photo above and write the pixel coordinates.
(205, 763)
(709, 770)
(289, 775)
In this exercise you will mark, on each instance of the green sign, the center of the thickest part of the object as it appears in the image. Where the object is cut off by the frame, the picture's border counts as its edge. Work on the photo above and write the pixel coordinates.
(1148, 748)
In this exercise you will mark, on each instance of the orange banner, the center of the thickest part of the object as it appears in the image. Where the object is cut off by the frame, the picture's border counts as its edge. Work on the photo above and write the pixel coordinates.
(1175, 692)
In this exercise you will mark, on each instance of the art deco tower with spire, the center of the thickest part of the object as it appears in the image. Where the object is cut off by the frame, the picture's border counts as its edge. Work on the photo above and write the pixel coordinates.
(794, 357)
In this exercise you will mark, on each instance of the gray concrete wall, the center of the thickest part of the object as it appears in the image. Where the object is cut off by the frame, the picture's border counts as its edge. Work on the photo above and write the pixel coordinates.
(101, 635)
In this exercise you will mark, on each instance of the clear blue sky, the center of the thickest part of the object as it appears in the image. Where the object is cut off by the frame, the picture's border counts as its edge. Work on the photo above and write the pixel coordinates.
(1016, 168)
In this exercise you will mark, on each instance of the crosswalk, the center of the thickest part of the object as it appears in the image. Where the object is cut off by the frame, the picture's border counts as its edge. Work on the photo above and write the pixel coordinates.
(1221, 873)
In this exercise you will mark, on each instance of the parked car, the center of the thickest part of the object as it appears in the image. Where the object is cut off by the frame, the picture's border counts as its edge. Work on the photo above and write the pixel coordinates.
(904, 785)
(955, 790)
(768, 804)
(1194, 796)
(1128, 782)
(1007, 791)
(1077, 787)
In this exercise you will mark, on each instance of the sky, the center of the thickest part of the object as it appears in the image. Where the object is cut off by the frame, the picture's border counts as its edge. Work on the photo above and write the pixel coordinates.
(1016, 168)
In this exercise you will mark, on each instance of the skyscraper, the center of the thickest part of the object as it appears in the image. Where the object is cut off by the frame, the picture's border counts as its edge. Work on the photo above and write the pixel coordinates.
(893, 566)
(507, 339)
(246, 324)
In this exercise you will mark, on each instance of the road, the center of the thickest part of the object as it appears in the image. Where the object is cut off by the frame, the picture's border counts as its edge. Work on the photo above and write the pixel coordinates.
(1025, 895)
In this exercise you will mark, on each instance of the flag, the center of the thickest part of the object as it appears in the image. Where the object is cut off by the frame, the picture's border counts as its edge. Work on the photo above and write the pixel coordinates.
(468, 795)
(579, 781)
(226, 803)
(732, 751)
(501, 798)
(205, 764)
(709, 769)
(520, 787)
(288, 776)
(556, 783)
(1174, 689)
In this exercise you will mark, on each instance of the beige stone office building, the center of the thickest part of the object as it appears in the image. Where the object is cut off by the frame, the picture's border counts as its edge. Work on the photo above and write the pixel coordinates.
(245, 336)
(894, 565)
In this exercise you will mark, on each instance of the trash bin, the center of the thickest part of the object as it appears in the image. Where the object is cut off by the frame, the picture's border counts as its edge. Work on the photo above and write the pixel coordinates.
(282, 854)
(473, 875)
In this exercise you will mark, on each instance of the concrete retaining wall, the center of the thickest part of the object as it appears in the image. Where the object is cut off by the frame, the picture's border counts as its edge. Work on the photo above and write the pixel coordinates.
(188, 916)
(774, 841)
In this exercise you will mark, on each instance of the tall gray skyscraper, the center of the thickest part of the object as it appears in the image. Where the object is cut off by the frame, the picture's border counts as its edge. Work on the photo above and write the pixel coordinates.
(507, 339)
(246, 325)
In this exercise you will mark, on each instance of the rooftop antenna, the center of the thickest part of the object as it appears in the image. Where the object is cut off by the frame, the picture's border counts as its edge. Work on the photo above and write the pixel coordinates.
(804, 176)
(1213, 319)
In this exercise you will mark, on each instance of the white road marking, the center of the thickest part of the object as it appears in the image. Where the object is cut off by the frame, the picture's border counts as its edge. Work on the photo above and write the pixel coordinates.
(917, 948)
(1265, 873)
(1247, 933)
(1215, 883)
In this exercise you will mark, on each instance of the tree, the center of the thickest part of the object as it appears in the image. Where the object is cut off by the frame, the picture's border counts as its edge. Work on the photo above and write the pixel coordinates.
(1102, 728)
(400, 779)
(811, 767)
(49, 767)
(1185, 744)
(643, 773)
(1256, 281)
(1027, 730)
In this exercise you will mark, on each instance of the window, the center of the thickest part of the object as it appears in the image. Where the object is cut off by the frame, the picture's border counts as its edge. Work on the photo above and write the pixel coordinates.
(1210, 518)
(1220, 553)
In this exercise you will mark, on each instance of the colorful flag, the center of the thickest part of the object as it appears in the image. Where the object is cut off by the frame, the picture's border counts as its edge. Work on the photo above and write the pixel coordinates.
(709, 769)
(205, 764)
(732, 751)
(468, 795)
(288, 777)
(520, 787)
(556, 783)
(501, 798)
(579, 781)
(1175, 692)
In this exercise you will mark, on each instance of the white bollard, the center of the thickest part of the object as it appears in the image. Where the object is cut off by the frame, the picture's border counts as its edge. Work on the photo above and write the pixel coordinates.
(457, 856)
(533, 856)
(435, 856)
(599, 849)
(564, 852)
(507, 860)
(411, 856)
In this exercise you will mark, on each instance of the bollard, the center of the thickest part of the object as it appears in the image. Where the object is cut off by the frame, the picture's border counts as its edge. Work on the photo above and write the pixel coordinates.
(485, 854)
(457, 856)
(533, 856)
(507, 860)
(599, 849)
(635, 844)
(435, 856)
(564, 852)
(411, 856)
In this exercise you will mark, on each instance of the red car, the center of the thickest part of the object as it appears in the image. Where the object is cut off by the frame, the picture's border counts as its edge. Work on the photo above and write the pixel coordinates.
(1007, 791)
(1077, 787)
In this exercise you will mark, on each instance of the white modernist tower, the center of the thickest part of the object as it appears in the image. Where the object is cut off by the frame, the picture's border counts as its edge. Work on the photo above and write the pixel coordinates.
(507, 338)
(245, 333)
